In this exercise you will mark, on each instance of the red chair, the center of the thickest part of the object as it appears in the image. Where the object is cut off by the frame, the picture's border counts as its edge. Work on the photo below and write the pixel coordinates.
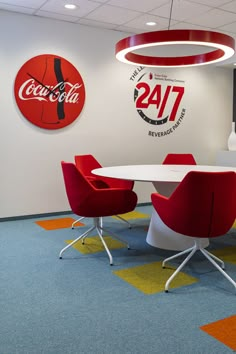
(88, 201)
(202, 206)
(87, 163)
(179, 159)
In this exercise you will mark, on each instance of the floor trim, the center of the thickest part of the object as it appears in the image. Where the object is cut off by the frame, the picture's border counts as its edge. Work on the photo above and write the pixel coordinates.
(43, 215)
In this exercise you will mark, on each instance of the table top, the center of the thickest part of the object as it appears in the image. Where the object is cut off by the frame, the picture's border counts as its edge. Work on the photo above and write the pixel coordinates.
(156, 173)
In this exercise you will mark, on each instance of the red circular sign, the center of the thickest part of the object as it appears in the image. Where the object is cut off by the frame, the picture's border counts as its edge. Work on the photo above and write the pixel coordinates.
(49, 91)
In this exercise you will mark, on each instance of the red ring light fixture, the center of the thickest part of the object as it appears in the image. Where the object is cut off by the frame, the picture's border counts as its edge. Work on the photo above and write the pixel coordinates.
(222, 44)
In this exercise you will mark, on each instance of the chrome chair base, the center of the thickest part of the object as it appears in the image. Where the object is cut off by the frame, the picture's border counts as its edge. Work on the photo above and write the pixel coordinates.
(100, 230)
(118, 216)
(197, 247)
(76, 221)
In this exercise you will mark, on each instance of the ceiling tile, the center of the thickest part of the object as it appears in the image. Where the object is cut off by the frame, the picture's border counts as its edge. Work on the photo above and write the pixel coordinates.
(231, 27)
(57, 16)
(191, 26)
(181, 10)
(214, 18)
(57, 6)
(101, 1)
(93, 23)
(25, 3)
(140, 22)
(212, 3)
(143, 6)
(128, 30)
(111, 14)
(19, 9)
(230, 6)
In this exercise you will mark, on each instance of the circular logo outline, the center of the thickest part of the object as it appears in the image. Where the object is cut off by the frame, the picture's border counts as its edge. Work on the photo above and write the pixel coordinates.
(49, 91)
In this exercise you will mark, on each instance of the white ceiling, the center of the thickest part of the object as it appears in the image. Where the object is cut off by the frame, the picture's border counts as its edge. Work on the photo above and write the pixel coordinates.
(131, 15)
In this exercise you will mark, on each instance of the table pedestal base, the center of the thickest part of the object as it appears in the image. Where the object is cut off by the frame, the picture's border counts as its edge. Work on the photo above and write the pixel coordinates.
(161, 236)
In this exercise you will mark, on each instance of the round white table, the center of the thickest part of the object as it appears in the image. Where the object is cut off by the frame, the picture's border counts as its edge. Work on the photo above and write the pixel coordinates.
(165, 179)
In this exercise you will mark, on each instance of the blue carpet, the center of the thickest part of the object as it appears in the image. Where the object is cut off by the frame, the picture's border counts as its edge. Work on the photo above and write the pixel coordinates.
(77, 305)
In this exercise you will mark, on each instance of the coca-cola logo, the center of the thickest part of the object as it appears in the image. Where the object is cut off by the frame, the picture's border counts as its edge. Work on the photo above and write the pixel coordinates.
(49, 91)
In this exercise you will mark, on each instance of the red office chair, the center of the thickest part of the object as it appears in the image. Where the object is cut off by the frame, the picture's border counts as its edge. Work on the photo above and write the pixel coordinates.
(202, 206)
(87, 163)
(179, 159)
(88, 201)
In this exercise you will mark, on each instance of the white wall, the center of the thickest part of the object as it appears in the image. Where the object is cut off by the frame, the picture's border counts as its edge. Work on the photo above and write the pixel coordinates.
(109, 126)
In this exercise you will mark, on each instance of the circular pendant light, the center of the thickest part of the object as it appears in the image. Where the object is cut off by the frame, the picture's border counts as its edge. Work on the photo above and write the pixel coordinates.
(223, 48)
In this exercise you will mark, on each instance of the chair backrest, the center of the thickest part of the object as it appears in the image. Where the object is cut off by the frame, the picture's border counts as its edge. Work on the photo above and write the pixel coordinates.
(179, 159)
(77, 187)
(86, 163)
(203, 204)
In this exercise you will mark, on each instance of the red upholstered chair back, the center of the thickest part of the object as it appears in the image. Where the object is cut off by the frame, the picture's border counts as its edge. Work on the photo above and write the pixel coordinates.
(86, 199)
(77, 187)
(179, 159)
(203, 204)
(87, 163)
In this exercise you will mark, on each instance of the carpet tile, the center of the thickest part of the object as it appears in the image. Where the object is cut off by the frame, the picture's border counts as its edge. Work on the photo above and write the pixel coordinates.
(227, 254)
(134, 215)
(59, 223)
(94, 244)
(151, 278)
(223, 330)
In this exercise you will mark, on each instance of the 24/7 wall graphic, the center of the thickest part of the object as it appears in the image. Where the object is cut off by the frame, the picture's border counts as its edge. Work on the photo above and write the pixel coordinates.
(158, 100)
(49, 91)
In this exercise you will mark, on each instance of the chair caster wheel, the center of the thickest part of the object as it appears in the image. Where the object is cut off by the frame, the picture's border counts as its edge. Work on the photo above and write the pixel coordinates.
(111, 264)
(166, 291)
(60, 257)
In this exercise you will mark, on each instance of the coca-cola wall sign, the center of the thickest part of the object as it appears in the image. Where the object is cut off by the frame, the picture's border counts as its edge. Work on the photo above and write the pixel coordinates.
(49, 91)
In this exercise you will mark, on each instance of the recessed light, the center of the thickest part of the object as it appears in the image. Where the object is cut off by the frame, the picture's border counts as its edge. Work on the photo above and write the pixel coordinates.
(150, 23)
(70, 6)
